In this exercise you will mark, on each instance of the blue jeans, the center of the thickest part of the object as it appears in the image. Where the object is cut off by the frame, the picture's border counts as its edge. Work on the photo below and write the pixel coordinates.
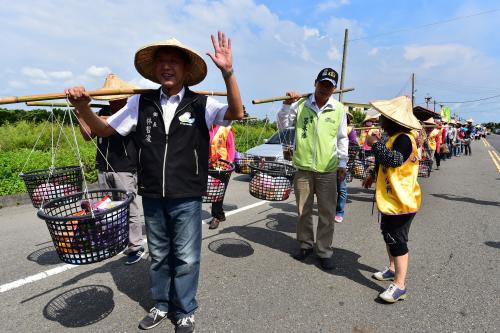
(173, 227)
(341, 197)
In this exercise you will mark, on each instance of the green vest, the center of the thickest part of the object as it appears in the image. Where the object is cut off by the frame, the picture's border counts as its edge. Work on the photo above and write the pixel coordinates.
(316, 138)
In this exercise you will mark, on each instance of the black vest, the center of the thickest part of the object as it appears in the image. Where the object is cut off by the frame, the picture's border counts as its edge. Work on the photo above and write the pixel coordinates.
(119, 151)
(173, 165)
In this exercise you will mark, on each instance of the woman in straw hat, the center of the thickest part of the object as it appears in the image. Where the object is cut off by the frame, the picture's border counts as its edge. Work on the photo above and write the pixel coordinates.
(116, 160)
(368, 122)
(433, 139)
(397, 190)
(170, 127)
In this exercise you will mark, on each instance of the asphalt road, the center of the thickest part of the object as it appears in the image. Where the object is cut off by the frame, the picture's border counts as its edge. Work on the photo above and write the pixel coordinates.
(249, 283)
(494, 140)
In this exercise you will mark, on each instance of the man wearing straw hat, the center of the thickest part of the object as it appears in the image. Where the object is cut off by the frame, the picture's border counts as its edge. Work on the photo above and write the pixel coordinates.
(321, 153)
(397, 190)
(116, 160)
(171, 131)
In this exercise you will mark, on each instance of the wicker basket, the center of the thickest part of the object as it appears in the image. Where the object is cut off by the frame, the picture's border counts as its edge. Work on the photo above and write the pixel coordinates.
(83, 236)
(219, 174)
(271, 181)
(47, 184)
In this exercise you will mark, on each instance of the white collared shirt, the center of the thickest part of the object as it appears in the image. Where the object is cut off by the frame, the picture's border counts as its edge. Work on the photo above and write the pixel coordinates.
(288, 115)
(125, 121)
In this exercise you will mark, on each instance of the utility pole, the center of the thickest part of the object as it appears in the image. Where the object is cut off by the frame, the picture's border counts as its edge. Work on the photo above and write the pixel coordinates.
(344, 60)
(427, 100)
(434, 105)
(412, 90)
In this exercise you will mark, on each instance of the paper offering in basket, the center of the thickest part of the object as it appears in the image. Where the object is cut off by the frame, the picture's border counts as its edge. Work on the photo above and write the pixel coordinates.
(216, 189)
(268, 187)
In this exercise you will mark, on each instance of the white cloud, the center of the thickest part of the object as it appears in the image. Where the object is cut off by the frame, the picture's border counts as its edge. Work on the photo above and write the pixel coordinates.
(35, 73)
(144, 83)
(331, 4)
(437, 55)
(373, 51)
(62, 75)
(97, 72)
(310, 32)
(334, 53)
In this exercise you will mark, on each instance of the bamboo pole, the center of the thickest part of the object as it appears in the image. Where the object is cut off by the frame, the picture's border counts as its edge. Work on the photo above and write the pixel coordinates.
(284, 98)
(378, 127)
(344, 60)
(100, 92)
(63, 105)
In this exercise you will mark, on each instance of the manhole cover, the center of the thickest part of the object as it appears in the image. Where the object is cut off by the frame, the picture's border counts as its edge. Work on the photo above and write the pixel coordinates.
(81, 306)
(231, 247)
(282, 226)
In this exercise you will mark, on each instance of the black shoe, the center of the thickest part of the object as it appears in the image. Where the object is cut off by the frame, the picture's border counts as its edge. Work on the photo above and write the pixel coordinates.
(185, 325)
(327, 263)
(302, 254)
(152, 319)
(214, 224)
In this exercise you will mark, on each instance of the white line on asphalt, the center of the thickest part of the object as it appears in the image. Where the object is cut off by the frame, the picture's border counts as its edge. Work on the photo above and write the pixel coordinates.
(239, 210)
(36, 277)
(63, 268)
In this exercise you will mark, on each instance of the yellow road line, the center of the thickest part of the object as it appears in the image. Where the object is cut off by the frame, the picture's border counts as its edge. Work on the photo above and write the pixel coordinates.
(496, 155)
(494, 160)
(483, 141)
(487, 143)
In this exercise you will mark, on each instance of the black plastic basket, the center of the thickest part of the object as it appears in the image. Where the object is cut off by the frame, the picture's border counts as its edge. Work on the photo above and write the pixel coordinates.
(47, 184)
(360, 162)
(424, 168)
(242, 163)
(271, 181)
(219, 174)
(82, 237)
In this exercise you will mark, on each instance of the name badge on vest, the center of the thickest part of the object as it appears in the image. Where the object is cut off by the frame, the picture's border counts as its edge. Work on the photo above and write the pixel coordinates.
(185, 119)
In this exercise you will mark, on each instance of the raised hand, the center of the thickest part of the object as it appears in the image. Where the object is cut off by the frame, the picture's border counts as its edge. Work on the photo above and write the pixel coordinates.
(222, 56)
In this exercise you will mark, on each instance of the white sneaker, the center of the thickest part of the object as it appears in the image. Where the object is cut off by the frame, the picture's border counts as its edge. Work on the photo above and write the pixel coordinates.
(339, 219)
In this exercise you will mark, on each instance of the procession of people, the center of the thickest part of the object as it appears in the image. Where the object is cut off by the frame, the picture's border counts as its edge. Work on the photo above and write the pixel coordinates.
(158, 144)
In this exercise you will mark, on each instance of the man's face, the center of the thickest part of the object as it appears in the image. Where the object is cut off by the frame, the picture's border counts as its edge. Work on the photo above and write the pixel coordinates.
(170, 68)
(324, 89)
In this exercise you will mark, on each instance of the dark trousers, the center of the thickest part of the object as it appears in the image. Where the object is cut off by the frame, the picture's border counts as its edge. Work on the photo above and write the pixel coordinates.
(218, 211)
(437, 156)
(468, 150)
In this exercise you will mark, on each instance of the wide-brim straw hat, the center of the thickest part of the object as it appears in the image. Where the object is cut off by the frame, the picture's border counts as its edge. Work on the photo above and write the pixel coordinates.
(399, 110)
(114, 82)
(144, 61)
(453, 121)
(470, 120)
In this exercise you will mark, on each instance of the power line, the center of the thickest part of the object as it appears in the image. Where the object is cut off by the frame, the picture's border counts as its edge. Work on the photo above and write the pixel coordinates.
(426, 25)
(471, 101)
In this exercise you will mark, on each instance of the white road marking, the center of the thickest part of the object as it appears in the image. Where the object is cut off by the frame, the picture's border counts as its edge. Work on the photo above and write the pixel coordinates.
(65, 267)
(36, 277)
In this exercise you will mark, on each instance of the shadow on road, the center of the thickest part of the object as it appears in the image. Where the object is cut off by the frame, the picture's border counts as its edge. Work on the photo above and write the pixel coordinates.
(347, 262)
(81, 306)
(496, 245)
(44, 256)
(453, 197)
(131, 280)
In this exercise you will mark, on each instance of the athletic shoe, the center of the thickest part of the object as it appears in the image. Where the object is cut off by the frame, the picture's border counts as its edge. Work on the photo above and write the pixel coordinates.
(339, 219)
(327, 263)
(185, 325)
(214, 224)
(152, 319)
(302, 254)
(385, 275)
(135, 256)
(393, 294)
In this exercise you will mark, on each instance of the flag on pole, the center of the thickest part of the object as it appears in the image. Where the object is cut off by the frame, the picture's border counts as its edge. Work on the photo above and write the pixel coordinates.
(446, 114)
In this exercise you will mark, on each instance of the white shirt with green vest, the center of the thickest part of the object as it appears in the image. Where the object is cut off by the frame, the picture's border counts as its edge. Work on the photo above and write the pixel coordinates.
(321, 143)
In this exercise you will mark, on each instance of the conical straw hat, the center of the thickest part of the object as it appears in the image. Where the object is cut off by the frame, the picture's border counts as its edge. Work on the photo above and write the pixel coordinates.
(453, 121)
(114, 82)
(430, 121)
(144, 61)
(398, 110)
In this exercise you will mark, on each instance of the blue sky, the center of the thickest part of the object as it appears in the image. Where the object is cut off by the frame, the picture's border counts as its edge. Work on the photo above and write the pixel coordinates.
(278, 46)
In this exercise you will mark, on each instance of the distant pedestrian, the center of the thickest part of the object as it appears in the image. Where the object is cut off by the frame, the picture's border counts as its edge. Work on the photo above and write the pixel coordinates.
(397, 190)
